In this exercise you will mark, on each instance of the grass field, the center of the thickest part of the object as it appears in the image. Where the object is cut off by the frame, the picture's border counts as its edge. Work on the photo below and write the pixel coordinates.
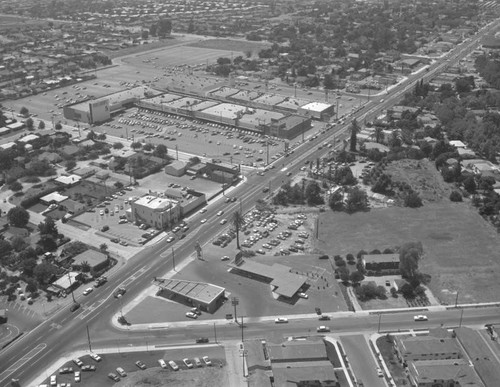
(461, 249)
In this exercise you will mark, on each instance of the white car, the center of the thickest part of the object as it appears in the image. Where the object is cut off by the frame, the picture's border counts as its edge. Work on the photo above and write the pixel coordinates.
(120, 371)
(78, 376)
(420, 317)
(53, 380)
(220, 213)
(191, 315)
(203, 221)
(223, 221)
(187, 362)
(95, 356)
(78, 362)
(203, 210)
(380, 373)
(162, 363)
(224, 258)
(88, 291)
(280, 320)
(322, 328)
(207, 361)
(173, 365)
(303, 295)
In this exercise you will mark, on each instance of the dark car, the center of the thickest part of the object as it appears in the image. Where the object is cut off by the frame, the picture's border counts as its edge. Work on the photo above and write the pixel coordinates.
(114, 377)
(202, 340)
(74, 307)
(119, 292)
(318, 311)
(140, 364)
(324, 317)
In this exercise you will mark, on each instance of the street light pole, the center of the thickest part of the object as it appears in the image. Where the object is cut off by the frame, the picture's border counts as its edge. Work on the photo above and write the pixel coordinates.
(461, 317)
(379, 322)
(173, 258)
(71, 288)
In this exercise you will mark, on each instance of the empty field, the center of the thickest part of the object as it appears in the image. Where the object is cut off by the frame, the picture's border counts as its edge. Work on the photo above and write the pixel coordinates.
(461, 249)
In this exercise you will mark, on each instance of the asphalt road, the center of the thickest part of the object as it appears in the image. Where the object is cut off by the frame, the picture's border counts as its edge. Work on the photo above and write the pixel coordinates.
(66, 331)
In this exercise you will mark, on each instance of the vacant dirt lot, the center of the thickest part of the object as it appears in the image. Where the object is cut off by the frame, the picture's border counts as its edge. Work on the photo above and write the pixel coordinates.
(460, 247)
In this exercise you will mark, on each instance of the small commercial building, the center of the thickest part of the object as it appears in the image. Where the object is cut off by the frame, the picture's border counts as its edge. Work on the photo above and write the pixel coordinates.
(176, 168)
(426, 348)
(53, 198)
(67, 282)
(204, 296)
(95, 260)
(317, 110)
(155, 211)
(285, 283)
(381, 262)
(68, 181)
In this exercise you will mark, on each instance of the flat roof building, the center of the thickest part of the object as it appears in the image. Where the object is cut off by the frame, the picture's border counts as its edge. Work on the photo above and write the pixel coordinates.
(204, 296)
(285, 283)
(53, 198)
(95, 259)
(426, 348)
(155, 211)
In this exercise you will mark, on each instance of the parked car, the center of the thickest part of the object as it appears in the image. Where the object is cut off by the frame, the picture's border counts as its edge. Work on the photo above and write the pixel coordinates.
(162, 363)
(78, 362)
(87, 291)
(206, 360)
(197, 362)
(323, 328)
(187, 363)
(191, 315)
(96, 357)
(202, 340)
(78, 376)
(121, 372)
(74, 306)
(173, 365)
(140, 364)
(303, 295)
(114, 377)
(89, 368)
(65, 370)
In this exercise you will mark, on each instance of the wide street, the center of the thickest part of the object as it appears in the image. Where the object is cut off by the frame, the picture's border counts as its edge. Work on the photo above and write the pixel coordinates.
(66, 331)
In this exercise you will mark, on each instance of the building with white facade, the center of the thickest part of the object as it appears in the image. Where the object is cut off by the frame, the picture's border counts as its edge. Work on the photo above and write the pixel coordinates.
(155, 211)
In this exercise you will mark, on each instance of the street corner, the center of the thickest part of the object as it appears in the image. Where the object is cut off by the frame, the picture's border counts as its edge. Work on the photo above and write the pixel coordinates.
(8, 332)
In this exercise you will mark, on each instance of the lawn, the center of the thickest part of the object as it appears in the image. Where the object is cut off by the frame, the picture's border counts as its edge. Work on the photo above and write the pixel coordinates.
(459, 245)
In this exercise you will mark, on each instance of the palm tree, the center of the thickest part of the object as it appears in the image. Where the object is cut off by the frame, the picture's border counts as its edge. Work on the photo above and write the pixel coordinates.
(238, 222)
(104, 248)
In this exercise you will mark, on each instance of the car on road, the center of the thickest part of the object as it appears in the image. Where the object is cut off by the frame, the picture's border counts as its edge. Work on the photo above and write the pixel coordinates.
(173, 365)
(66, 370)
(95, 357)
(120, 371)
(203, 221)
(220, 213)
(170, 239)
(224, 258)
(223, 221)
(207, 361)
(187, 363)
(87, 291)
(89, 368)
(420, 317)
(281, 320)
(176, 229)
(203, 210)
(119, 292)
(380, 373)
(323, 328)
(114, 377)
(140, 364)
(78, 362)
(78, 376)
(192, 315)
(289, 174)
(202, 340)
(265, 189)
(74, 307)
(324, 317)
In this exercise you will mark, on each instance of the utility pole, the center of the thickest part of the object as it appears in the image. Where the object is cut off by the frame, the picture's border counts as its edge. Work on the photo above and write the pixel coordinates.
(456, 300)
(215, 333)
(235, 301)
(71, 287)
(242, 339)
(461, 317)
(88, 338)
(379, 322)
(173, 258)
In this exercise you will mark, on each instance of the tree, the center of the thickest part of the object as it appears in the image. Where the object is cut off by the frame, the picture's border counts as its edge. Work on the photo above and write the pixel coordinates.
(103, 248)
(44, 272)
(31, 286)
(24, 111)
(409, 256)
(379, 134)
(148, 147)
(48, 227)
(455, 196)
(70, 164)
(18, 243)
(117, 145)
(164, 27)
(160, 151)
(118, 185)
(356, 277)
(412, 200)
(5, 248)
(58, 126)
(18, 217)
(47, 243)
(136, 145)
(357, 200)
(145, 34)
(343, 273)
(313, 194)
(354, 132)
(16, 186)
(470, 184)
(41, 125)
(85, 267)
(336, 201)
(237, 221)
(29, 123)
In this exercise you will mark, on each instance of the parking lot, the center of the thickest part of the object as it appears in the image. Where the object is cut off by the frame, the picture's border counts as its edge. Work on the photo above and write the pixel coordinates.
(126, 360)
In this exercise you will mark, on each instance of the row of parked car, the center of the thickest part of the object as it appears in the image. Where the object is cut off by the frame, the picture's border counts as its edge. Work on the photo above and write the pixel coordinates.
(188, 363)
